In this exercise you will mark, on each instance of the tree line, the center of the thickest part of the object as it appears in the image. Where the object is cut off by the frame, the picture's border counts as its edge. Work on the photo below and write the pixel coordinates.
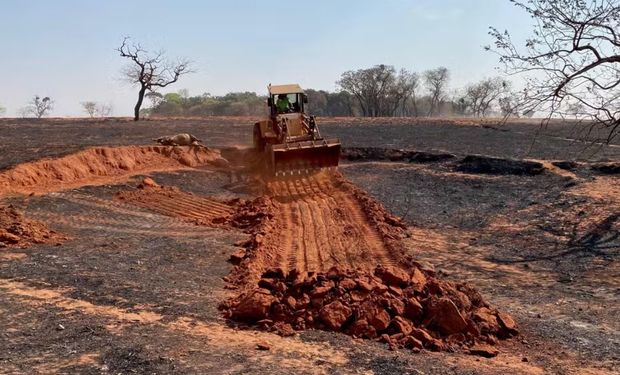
(378, 91)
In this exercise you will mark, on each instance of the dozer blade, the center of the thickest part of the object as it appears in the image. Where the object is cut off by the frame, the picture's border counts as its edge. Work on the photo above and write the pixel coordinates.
(304, 157)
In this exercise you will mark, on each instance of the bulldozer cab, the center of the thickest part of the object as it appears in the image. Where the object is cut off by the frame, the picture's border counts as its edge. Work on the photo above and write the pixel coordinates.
(286, 99)
(287, 103)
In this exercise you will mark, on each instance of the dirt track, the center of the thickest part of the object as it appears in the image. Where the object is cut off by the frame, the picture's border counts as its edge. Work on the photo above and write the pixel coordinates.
(323, 226)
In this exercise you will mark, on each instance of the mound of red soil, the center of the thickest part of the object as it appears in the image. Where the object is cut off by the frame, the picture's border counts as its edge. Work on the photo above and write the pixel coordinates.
(406, 309)
(287, 282)
(101, 165)
(332, 220)
(18, 231)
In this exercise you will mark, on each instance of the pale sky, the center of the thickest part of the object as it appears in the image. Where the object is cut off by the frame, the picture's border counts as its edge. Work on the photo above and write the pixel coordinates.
(65, 49)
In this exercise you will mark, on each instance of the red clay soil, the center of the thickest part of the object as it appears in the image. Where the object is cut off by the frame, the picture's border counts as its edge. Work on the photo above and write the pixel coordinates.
(18, 231)
(173, 202)
(101, 165)
(312, 263)
(313, 223)
(404, 308)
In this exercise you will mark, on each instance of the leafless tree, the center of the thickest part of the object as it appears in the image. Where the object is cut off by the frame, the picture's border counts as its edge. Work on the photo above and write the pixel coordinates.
(94, 109)
(483, 95)
(436, 81)
(379, 90)
(412, 100)
(149, 71)
(461, 105)
(573, 56)
(2, 109)
(38, 107)
(104, 110)
(508, 105)
(90, 108)
(404, 93)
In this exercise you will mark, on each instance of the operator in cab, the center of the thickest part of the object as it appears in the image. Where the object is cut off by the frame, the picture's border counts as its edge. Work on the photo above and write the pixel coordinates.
(282, 104)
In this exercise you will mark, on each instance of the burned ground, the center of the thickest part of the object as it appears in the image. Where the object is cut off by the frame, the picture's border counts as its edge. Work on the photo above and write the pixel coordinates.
(136, 289)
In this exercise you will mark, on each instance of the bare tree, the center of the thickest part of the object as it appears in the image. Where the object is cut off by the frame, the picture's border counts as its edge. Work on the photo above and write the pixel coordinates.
(2, 109)
(461, 105)
(403, 91)
(94, 109)
(436, 81)
(483, 95)
(508, 105)
(38, 107)
(90, 108)
(149, 71)
(104, 110)
(572, 57)
(410, 101)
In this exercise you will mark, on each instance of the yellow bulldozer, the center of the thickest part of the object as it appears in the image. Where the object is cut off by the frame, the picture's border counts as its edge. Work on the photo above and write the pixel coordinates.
(289, 138)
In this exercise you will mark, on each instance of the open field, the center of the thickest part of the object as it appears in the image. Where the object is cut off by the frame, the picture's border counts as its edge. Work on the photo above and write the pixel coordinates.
(28, 139)
(136, 285)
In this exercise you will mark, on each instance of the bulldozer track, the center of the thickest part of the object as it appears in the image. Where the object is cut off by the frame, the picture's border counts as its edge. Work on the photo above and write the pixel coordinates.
(176, 203)
(117, 217)
(322, 226)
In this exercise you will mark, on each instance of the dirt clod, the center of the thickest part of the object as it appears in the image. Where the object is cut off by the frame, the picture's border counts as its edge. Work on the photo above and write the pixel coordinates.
(16, 230)
(484, 350)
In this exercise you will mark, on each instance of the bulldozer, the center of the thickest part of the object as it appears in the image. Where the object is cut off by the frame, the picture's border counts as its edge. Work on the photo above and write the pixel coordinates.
(289, 138)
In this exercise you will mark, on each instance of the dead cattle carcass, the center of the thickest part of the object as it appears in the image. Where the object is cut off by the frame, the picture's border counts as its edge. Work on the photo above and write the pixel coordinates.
(182, 139)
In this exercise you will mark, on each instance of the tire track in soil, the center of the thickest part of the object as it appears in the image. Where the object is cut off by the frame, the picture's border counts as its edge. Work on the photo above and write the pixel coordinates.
(299, 257)
(337, 249)
(321, 229)
(313, 251)
(323, 225)
(117, 217)
(175, 203)
(364, 242)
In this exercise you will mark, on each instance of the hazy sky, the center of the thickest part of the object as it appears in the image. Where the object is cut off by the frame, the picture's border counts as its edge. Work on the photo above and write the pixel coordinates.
(66, 48)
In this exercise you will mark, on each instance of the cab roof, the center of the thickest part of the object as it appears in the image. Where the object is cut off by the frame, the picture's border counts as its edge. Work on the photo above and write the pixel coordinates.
(285, 89)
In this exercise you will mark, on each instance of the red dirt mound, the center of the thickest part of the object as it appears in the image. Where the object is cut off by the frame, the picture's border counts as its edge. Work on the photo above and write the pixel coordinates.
(18, 231)
(101, 165)
(314, 223)
(173, 202)
(308, 235)
(411, 309)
